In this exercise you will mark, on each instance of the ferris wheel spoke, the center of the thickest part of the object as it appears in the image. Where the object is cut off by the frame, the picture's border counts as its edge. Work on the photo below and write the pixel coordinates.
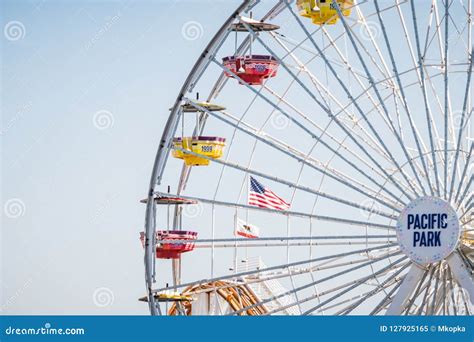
(461, 127)
(422, 69)
(384, 302)
(357, 283)
(416, 134)
(464, 194)
(411, 279)
(317, 30)
(346, 90)
(311, 284)
(377, 289)
(322, 306)
(424, 305)
(445, 300)
(459, 271)
(437, 31)
(324, 108)
(456, 292)
(469, 57)
(310, 132)
(460, 31)
(331, 263)
(288, 238)
(291, 244)
(357, 76)
(419, 289)
(437, 297)
(425, 96)
(321, 140)
(339, 143)
(381, 101)
(311, 239)
(468, 207)
(342, 286)
(255, 279)
(332, 43)
(292, 185)
(443, 51)
(302, 68)
(345, 129)
(431, 308)
(430, 292)
(429, 41)
(438, 306)
(408, 40)
(434, 93)
(284, 212)
(373, 143)
(278, 267)
(463, 175)
(366, 92)
(324, 131)
(309, 161)
(334, 174)
(467, 210)
(467, 303)
(419, 65)
(459, 299)
(353, 298)
(343, 302)
(382, 68)
(446, 94)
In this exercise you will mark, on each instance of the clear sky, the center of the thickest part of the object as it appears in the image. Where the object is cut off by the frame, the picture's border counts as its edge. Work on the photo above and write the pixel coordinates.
(85, 92)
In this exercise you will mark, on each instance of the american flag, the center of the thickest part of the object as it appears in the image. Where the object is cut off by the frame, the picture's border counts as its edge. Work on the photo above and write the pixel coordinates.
(260, 196)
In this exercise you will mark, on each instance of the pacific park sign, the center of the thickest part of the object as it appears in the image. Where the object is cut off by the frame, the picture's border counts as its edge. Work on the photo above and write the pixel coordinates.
(428, 230)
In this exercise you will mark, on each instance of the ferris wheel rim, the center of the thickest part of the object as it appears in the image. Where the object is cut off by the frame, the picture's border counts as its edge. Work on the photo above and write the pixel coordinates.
(161, 154)
(150, 203)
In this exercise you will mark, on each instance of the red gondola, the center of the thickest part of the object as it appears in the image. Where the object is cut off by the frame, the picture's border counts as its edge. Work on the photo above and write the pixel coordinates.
(252, 69)
(168, 249)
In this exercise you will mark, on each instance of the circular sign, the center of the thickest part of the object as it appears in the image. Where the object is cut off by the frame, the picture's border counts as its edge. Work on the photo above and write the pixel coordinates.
(428, 230)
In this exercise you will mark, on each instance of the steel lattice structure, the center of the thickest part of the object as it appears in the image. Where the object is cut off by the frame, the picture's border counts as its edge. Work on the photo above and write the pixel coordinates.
(365, 116)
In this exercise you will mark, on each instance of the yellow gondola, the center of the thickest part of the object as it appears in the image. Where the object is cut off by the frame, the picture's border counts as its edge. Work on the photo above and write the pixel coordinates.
(211, 147)
(169, 296)
(188, 108)
(323, 11)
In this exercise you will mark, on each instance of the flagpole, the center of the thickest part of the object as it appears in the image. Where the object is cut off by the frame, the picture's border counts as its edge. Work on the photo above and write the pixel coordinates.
(235, 235)
(247, 221)
(213, 214)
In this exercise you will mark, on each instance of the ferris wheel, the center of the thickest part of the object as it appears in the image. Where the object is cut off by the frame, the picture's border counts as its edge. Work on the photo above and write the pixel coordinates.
(317, 161)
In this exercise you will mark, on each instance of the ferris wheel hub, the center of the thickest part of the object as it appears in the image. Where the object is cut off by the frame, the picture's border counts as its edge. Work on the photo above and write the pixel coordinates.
(428, 230)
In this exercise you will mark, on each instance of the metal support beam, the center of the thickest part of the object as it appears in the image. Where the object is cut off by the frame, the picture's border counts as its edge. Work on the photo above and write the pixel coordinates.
(462, 275)
(408, 286)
